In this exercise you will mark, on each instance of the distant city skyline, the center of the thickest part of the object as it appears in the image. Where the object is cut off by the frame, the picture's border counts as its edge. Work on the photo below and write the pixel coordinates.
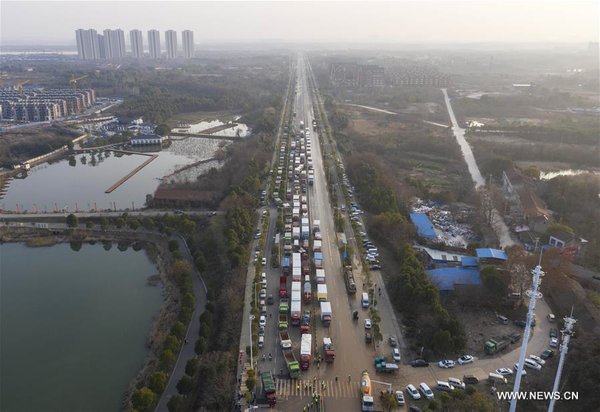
(411, 22)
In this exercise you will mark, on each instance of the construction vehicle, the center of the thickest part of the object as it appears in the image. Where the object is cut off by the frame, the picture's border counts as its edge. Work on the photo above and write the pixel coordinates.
(307, 293)
(284, 305)
(269, 388)
(367, 402)
(382, 366)
(493, 346)
(284, 338)
(73, 80)
(349, 278)
(328, 350)
(292, 364)
(283, 321)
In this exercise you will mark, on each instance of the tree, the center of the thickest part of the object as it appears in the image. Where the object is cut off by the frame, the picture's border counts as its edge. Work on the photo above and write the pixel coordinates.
(176, 404)
(388, 400)
(103, 222)
(200, 345)
(172, 343)
(119, 222)
(144, 400)
(493, 284)
(162, 129)
(134, 224)
(178, 330)
(72, 220)
(158, 382)
(184, 386)
(191, 366)
(442, 342)
(89, 224)
(167, 359)
(173, 245)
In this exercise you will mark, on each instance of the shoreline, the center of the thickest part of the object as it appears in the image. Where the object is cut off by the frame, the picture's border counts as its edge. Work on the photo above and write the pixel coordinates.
(156, 250)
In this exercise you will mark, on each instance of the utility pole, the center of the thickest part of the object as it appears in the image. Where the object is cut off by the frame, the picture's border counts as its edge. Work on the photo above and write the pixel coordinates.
(534, 295)
(567, 332)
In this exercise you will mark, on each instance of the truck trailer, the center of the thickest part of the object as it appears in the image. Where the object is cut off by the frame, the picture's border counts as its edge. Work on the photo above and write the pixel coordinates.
(305, 351)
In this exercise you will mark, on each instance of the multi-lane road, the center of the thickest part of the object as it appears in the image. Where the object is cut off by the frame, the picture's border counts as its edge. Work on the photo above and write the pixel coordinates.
(353, 355)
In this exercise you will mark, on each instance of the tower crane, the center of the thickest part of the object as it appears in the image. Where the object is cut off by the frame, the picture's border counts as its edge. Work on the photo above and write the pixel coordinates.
(20, 84)
(74, 81)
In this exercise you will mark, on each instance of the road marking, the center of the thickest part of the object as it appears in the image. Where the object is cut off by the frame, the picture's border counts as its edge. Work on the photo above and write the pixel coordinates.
(287, 388)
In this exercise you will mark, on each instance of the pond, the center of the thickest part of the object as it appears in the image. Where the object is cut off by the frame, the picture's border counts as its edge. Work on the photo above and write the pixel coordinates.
(74, 325)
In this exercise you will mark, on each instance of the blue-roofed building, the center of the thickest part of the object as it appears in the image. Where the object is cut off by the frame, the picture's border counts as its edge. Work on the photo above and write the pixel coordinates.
(469, 261)
(488, 256)
(424, 226)
(447, 278)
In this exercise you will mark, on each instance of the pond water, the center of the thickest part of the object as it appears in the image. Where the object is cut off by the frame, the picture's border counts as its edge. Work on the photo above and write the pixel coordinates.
(79, 182)
(74, 325)
(237, 130)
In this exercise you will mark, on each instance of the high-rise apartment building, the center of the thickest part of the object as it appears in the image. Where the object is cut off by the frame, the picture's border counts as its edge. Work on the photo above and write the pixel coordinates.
(87, 44)
(137, 44)
(187, 38)
(114, 43)
(154, 43)
(171, 43)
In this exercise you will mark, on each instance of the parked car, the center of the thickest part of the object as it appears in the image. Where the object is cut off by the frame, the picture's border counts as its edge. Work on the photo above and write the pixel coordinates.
(537, 359)
(470, 380)
(393, 341)
(456, 383)
(261, 341)
(396, 355)
(520, 323)
(413, 392)
(446, 364)
(263, 293)
(553, 333)
(515, 337)
(554, 342)
(530, 363)
(419, 363)
(463, 360)
(262, 321)
(426, 391)
(368, 324)
(524, 372)
(399, 398)
(504, 371)
(547, 354)
(444, 386)
(264, 261)
(270, 299)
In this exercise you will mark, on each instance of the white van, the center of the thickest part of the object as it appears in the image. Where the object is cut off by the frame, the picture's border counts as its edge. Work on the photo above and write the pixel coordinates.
(496, 378)
(428, 393)
(365, 300)
(444, 386)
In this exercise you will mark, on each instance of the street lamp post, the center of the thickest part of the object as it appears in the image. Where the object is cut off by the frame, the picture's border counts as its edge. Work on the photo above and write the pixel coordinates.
(251, 318)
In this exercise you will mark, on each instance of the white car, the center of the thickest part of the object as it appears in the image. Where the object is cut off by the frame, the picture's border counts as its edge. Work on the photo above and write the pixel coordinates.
(399, 398)
(463, 360)
(368, 324)
(537, 359)
(263, 294)
(504, 371)
(553, 342)
(261, 341)
(517, 367)
(446, 364)
(396, 355)
(264, 261)
(456, 383)
(427, 392)
(262, 321)
(413, 392)
(530, 363)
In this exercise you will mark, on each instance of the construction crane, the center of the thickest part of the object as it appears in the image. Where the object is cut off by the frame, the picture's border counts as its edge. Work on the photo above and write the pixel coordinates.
(20, 84)
(74, 80)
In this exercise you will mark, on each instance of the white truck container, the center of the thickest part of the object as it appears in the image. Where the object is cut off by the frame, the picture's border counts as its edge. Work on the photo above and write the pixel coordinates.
(317, 245)
(296, 233)
(320, 275)
(296, 287)
(296, 273)
(326, 313)
(316, 225)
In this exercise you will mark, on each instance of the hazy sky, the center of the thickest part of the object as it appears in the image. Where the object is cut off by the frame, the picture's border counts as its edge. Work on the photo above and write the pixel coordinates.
(447, 21)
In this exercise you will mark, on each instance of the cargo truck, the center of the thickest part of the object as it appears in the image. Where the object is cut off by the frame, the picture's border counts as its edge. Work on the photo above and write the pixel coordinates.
(283, 293)
(321, 292)
(382, 366)
(285, 264)
(328, 350)
(318, 260)
(269, 388)
(284, 305)
(326, 313)
(295, 310)
(367, 402)
(292, 364)
(320, 275)
(283, 321)
(496, 345)
(307, 293)
(305, 351)
(305, 325)
(349, 279)
(286, 342)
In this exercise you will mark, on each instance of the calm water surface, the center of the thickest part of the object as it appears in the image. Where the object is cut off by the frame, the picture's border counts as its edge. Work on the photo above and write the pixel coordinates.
(74, 325)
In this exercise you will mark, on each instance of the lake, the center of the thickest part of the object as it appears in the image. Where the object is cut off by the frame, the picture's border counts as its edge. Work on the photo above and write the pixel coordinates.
(79, 182)
(74, 325)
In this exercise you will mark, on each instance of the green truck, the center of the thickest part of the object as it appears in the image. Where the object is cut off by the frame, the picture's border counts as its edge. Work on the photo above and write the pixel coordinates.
(284, 306)
(496, 345)
(283, 321)
(269, 388)
(382, 366)
(293, 366)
